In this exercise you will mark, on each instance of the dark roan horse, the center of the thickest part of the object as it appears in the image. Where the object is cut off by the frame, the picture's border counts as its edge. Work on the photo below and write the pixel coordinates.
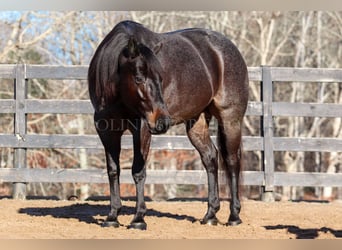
(145, 82)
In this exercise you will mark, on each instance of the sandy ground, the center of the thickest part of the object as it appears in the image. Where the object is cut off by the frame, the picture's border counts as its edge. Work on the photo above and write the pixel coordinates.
(51, 219)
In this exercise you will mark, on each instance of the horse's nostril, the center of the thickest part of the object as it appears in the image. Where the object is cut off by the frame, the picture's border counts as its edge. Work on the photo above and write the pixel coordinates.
(162, 125)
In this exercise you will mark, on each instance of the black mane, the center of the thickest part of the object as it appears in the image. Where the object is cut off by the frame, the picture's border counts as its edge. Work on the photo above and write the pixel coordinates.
(103, 69)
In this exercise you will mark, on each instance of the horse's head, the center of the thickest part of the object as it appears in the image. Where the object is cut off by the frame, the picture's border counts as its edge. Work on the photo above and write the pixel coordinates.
(140, 85)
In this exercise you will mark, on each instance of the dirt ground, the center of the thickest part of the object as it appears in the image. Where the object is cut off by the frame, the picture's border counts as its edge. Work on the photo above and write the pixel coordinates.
(52, 219)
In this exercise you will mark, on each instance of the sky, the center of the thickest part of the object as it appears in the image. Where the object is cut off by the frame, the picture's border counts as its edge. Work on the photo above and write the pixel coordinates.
(39, 21)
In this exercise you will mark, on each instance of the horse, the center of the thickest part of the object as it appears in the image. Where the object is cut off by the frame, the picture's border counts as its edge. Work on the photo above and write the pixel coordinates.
(146, 82)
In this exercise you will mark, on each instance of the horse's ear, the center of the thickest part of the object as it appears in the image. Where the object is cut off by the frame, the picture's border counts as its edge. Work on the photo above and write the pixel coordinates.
(157, 48)
(133, 50)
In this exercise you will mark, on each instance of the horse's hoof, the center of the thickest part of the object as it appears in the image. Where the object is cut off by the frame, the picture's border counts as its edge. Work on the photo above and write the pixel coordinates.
(138, 225)
(234, 222)
(211, 222)
(114, 224)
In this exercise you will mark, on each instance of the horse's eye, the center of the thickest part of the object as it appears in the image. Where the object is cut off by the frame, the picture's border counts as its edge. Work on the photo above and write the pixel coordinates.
(139, 79)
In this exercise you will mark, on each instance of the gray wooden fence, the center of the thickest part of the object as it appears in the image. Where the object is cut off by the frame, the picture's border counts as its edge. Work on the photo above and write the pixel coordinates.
(268, 178)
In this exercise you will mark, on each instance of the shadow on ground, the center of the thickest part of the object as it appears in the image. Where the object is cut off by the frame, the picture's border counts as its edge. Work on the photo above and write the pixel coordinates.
(305, 233)
(86, 212)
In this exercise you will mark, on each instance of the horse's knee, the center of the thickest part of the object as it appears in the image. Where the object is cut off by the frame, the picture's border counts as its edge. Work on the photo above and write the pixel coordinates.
(113, 174)
(139, 176)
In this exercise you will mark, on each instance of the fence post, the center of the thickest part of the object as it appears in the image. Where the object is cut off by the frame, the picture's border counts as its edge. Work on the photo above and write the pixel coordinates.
(19, 189)
(267, 134)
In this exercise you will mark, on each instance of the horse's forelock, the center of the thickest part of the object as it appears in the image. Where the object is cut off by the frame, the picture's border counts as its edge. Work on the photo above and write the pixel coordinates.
(151, 60)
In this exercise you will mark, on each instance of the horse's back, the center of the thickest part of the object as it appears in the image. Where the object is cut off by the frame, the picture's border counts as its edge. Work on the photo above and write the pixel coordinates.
(218, 54)
(206, 65)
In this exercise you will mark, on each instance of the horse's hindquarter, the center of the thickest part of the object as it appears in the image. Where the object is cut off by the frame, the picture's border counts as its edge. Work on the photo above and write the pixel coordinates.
(201, 66)
(232, 92)
(190, 74)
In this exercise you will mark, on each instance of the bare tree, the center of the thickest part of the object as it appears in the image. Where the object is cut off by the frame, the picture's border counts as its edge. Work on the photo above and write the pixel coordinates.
(292, 39)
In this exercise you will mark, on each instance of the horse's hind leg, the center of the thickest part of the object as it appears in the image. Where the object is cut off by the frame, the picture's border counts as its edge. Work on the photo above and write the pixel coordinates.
(229, 140)
(198, 134)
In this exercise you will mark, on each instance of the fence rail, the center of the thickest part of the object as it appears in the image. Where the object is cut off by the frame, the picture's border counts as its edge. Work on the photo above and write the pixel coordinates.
(20, 141)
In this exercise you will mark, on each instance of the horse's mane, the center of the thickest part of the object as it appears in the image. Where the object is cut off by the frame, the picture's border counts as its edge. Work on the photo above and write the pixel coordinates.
(153, 63)
(102, 73)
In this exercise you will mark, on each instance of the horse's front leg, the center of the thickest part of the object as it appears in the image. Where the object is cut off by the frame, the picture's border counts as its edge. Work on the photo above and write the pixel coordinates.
(111, 140)
(141, 142)
(113, 170)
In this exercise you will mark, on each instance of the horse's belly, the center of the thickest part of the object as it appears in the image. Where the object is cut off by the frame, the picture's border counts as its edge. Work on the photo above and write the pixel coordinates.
(188, 95)
(186, 107)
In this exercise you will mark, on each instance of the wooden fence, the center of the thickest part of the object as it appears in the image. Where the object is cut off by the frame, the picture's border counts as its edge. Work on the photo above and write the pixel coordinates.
(268, 178)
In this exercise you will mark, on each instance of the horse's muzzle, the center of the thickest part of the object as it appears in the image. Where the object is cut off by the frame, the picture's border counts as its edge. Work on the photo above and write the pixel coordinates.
(161, 125)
